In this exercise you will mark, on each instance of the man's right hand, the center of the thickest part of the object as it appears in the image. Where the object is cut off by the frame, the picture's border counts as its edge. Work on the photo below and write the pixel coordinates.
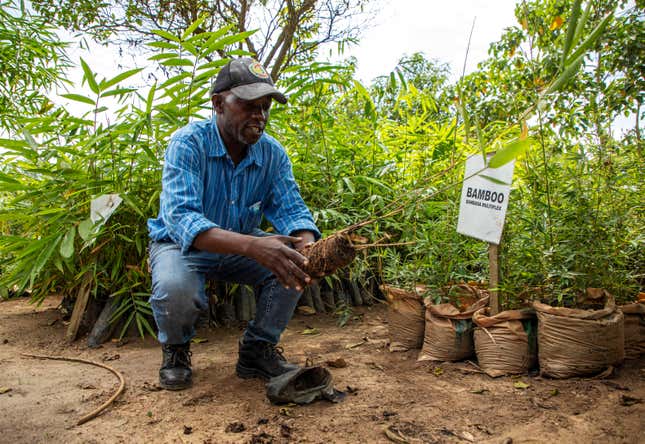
(275, 253)
(272, 252)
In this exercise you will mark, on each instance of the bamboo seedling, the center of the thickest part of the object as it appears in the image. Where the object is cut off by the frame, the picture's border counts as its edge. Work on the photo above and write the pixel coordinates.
(337, 250)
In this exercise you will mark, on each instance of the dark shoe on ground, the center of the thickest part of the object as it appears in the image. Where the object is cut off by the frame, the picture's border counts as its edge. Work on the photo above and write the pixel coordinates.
(175, 372)
(303, 386)
(261, 360)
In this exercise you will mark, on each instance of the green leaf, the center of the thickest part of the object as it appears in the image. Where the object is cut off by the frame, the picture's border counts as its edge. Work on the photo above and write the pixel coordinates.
(197, 340)
(118, 92)
(85, 229)
(493, 179)
(213, 36)
(349, 184)
(119, 78)
(67, 245)
(509, 152)
(29, 138)
(79, 98)
(166, 35)
(190, 48)
(480, 138)
(193, 26)
(150, 98)
(162, 56)
(132, 205)
(215, 64)
(177, 62)
(162, 45)
(89, 76)
(174, 79)
(521, 385)
(372, 181)
(220, 44)
(310, 331)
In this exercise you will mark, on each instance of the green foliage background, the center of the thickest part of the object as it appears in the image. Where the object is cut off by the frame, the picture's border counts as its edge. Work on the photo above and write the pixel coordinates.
(575, 218)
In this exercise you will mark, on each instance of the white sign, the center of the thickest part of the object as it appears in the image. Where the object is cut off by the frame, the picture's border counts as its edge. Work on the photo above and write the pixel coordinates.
(483, 202)
(103, 206)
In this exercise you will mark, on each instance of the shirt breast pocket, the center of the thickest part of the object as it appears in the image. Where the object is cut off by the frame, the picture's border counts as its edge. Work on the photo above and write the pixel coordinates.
(251, 217)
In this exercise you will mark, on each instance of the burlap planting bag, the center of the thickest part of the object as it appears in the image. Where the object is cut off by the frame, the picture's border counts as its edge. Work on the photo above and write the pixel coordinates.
(449, 330)
(405, 318)
(634, 329)
(578, 342)
(506, 343)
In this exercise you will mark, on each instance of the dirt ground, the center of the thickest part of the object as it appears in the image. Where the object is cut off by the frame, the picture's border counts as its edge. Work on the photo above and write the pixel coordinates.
(442, 403)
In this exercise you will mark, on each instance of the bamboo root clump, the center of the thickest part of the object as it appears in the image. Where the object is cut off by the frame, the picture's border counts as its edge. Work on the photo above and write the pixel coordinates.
(329, 254)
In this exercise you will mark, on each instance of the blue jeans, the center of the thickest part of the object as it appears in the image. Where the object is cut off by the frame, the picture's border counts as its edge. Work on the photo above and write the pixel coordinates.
(178, 294)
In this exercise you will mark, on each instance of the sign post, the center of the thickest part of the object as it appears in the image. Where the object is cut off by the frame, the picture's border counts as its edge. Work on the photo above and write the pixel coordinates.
(482, 211)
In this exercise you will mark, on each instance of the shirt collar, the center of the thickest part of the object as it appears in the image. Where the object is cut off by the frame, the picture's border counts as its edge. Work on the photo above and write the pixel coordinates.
(217, 148)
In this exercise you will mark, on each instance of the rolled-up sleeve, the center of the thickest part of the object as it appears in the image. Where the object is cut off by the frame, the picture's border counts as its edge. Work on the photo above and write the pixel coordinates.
(182, 205)
(286, 210)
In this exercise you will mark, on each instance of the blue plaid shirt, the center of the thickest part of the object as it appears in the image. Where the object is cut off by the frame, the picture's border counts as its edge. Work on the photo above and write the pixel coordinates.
(202, 188)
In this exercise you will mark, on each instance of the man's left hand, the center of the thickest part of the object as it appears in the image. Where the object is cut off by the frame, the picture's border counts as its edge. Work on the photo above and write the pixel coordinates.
(306, 238)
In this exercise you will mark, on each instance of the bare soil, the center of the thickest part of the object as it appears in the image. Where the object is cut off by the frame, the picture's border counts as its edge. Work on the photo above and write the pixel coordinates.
(421, 402)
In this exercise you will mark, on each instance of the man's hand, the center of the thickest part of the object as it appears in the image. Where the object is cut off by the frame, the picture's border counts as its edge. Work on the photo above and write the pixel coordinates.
(274, 253)
(306, 238)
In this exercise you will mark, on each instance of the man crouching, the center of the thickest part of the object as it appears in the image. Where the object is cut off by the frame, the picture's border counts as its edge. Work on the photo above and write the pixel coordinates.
(220, 177)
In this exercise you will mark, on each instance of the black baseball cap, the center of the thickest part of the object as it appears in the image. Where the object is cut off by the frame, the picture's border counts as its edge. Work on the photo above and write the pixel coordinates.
(247, 79)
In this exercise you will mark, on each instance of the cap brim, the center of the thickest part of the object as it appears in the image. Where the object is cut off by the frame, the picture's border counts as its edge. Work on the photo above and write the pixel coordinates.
(254, 91)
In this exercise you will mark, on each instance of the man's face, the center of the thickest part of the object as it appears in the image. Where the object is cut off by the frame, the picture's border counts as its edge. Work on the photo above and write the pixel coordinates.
(241, 122)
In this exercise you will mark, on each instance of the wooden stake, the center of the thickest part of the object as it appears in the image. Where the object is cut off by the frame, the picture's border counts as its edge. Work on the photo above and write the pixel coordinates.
(79, 307)
(493, 261)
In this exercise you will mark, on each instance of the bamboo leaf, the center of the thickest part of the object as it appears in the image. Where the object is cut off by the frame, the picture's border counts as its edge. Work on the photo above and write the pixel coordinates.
(117, 92)
(85, 229)
(67, 245)
(349, 184)
(373, 181)
(509, 152)
(132, 205)
(30, 139)
(119, 78)
(89, 76)
(150, 98)
(174, 79)
(493, 179)
(79, 98)
(44, 256)
(126, 325)
(480, 138)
